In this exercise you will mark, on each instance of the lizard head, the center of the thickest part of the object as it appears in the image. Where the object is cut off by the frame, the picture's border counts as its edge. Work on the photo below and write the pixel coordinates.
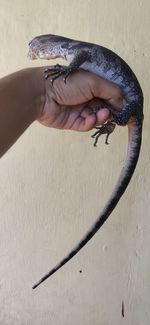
(48, 47)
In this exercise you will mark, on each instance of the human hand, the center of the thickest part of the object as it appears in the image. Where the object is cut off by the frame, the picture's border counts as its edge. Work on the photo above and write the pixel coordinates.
(25, 96)
(70, 105)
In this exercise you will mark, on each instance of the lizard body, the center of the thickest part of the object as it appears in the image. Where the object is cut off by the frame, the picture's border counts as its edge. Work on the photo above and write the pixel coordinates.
(104, 63)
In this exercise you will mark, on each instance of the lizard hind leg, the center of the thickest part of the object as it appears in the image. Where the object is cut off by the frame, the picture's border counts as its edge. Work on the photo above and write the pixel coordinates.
(106, 128)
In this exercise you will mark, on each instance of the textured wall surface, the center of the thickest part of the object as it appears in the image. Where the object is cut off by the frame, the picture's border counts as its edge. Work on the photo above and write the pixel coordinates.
(53, 184)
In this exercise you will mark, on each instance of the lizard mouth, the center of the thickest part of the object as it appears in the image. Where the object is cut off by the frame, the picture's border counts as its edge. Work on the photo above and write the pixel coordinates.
(32, 55)
(41, 55)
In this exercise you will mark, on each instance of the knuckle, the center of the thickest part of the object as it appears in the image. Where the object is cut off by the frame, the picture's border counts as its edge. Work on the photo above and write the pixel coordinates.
(117, 91)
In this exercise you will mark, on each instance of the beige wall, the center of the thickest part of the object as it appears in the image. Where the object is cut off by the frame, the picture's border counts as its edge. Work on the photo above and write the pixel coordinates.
(53, 184)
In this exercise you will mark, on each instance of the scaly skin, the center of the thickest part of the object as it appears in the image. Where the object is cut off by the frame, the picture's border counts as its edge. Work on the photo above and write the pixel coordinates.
(107, 64)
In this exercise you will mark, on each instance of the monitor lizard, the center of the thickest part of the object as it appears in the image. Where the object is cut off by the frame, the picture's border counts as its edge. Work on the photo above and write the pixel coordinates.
(106, 64)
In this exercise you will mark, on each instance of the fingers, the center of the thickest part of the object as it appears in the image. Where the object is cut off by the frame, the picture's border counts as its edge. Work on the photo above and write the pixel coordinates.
(82, 86)
(102, 116)
(85, 122)
(108, 91)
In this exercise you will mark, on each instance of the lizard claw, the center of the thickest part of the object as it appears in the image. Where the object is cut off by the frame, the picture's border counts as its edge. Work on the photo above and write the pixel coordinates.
(58, 71)
(64, 79)
(56, 66)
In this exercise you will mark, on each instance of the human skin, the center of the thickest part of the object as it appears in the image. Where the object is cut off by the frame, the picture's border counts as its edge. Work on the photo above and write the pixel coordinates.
(25, 96)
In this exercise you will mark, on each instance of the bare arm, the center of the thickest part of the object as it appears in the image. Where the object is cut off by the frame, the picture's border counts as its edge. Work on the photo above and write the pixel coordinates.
(20, 99)
(25, 97)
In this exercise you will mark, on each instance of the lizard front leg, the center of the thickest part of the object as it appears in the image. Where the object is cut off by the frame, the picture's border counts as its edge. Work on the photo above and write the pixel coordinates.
(80, 57)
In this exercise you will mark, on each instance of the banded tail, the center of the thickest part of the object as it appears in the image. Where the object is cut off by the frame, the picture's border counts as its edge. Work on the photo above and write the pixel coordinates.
(134, 145)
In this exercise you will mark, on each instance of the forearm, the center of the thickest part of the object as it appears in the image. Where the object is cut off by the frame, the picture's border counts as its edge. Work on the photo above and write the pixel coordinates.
(21, 98)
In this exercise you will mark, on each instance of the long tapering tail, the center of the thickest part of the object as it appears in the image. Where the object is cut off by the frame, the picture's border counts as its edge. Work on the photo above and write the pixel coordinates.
(135, 135)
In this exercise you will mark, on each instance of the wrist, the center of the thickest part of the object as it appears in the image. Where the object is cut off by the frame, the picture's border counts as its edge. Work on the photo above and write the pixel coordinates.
(38, 91)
